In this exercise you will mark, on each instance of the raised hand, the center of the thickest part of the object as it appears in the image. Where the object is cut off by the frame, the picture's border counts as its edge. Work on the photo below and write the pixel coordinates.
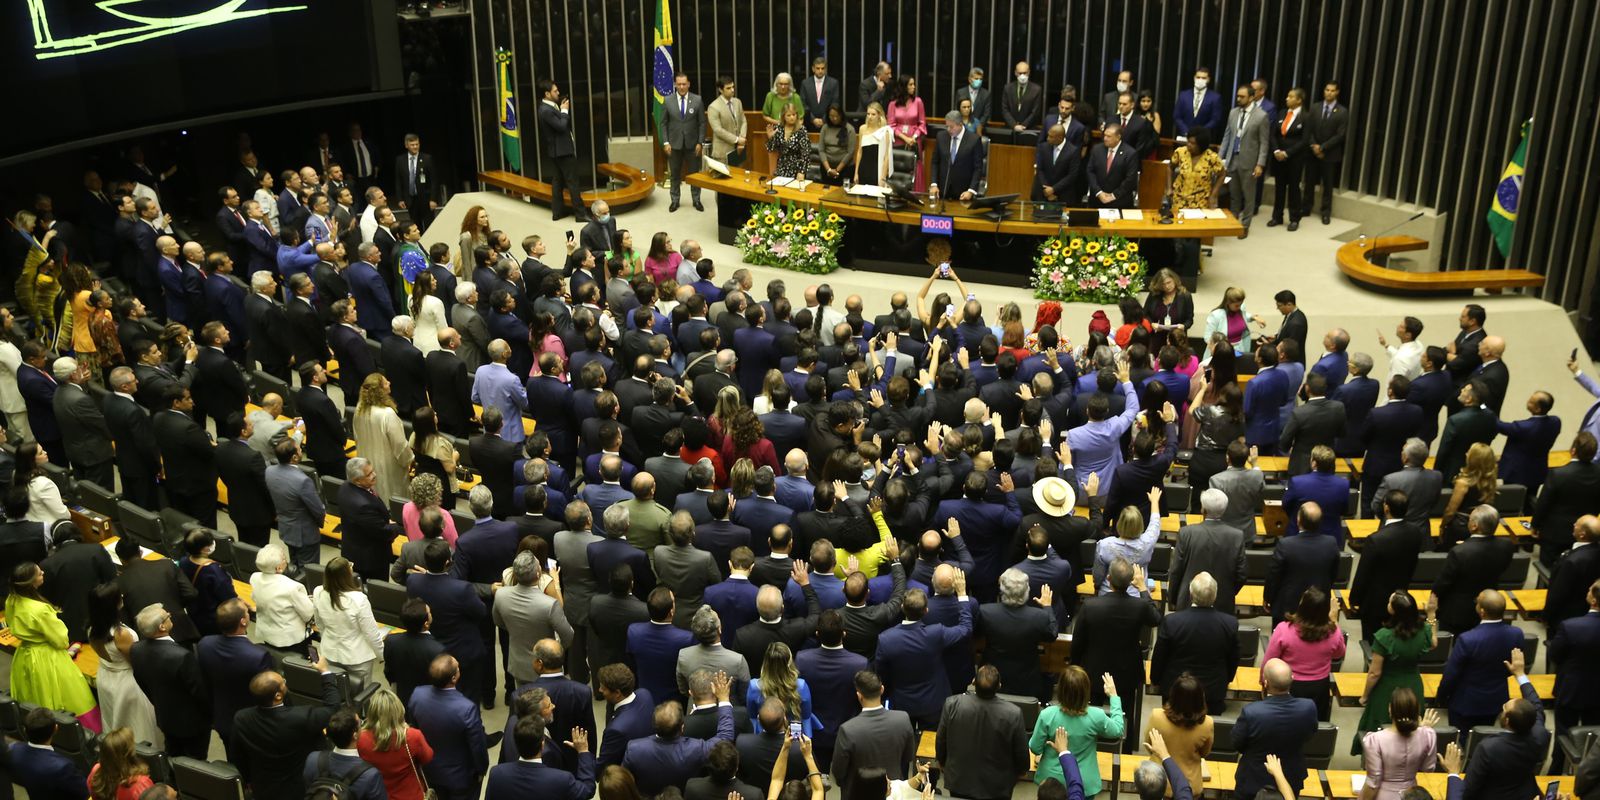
(891, 549)
(1046, 596)
(720, 683)
(1092, 485)
(1451, 759)
(1155, 499)
(1517, 665)
(1007, 485)
(800, 572)
(961, 583)
(1025, 392)
(952, 529)
(875, 504)
(1168, 413)
(852, 565)
(1109, 684)
(580, 740)
(1274, 767)
(1059, 741)
(1157, 745)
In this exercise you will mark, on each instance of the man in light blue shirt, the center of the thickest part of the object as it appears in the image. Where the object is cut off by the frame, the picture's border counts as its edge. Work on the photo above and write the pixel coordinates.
(494, 385)
(1096, 445)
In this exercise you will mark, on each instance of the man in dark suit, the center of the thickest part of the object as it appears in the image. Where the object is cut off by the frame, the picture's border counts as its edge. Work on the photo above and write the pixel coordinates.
(1200, 107)
(683, 126)
(770, 625)
(1264, 396)
(366, 530)
(981, 744)
(1301, 561)
(219, 387)
(1525, 459)
(761, 512)
(708, 386)
(1388, 559)
(1472, 566)
(271, 341)
(975, 512)
(1013, 628)
(1330, 492)
(1384, 436)
(230, 661)
(170, 676)
(1290, 148)
(1107, 634)
(84, 433)
(1431, 390)
(403, 365)
(876, 738)
(307, 334)
(875, 87)
(910, 658)
(1210, 546)
(669, 758)
(1278, 724)
(1420, 485)
(1137, 131)
(493, 457)
(818, 92)
(1474, 423)
(449, 386)
(959, 164)
(1057, 168)
(614, 550)
(525, 778)
(560, 150)
(1575, 657)
(830, 671)
(760, 748)
(574, 701)
(1113, 171)
(188, 457)
(455, 606)
(652, 647)
(1473, 686)
(416, 185)
(600, 235)
(325, 434)
(24, 540)
(38, 767)
(453, 725)
(1021, 102)
(1319, 421)
(632, 712)
(1503, 767)
(224, 296)
(70, 573)
(408, 655)
(1573, 574)
(650, 422)
(1359, 394)
(1464, 357)
(1201, 640)
(1328, 122)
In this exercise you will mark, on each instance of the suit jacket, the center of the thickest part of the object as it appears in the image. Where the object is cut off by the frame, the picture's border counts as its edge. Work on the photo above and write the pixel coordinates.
(523, 779)
(70, 574)
(1462, 430)
(910, 660)
(652, 648)
(1570, 580)
(1203, 642)
(1138, 133)
(493, 457)
(298, 503)
(1469, 568)
(1120, 180)
(555, 129)
(1299, 562)
(426, 182)
(830, 672)
(263, 253)
(1013, 637)
(331, 285)
(270, 338)
(186, 453)
(1290, 136)
(728, 124)
(1388, 560)
(754, 638)
(758, 752)
(1502, 767)
(1358, 395)
(308, 337)
(454, 728)
(1106, 634)
(608, 554)
(981, 103)
(449, 391)
(760, 515)
(1280, 725)
(224, 299)
(1331, 493)
(219, 388)
(816, 108)
(457, 612)
(1022, 104)
(406, 657)
(687, 570)
(1316, 422)
(83, 427)
(1497, 378)
(1431, 391)
(1474, 680)
(1246, 150)
(1466, 360)
(658, 763)
(1061, 172)
(868, 92)
(403, 366)
(679, 129)
(229, 662)
(1385, 433)
(1208, 546)
(990, 746)
(1327, 128)
(961, 171)
(1525, 457)
(1209, 117)
(1421, 487)
(46, 773)
(325, 434)
(170, 676)
(1264, 396)
(250, 500)
(880, 738)
(631, 719)
(374, 308)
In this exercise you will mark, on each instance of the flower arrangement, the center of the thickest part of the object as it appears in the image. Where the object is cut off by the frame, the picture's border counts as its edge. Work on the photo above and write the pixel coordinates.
(1095, 269)
(788, 236)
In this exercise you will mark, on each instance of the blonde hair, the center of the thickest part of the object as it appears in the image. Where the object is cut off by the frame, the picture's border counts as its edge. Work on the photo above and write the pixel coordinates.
(374, 393)
(779, 678)
(426, 491)
(884, 121)
(728, 403)
(1481, 470)
(742, 478)
(386, 719)
(1130, 523)
(119, 764)
(1166, 274)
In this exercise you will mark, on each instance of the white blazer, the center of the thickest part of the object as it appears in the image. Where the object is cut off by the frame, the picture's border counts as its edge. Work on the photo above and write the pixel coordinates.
(349, 633)
(282, 609)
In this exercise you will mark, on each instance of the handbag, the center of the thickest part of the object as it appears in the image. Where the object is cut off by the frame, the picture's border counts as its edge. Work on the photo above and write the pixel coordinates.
(427, 793)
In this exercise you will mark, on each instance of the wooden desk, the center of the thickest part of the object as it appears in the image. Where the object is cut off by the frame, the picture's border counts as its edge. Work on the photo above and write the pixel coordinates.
(636, 185)
(1355, 262)
(1349, 685)
(834, 199)
(1438, 783)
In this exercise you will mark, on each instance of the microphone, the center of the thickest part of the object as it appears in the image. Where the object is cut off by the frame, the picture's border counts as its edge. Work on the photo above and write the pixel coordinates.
(1391, 229)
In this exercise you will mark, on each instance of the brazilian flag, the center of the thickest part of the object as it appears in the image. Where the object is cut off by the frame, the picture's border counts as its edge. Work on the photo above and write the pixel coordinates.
(510, 133)
(1508, 195)
(662, 71)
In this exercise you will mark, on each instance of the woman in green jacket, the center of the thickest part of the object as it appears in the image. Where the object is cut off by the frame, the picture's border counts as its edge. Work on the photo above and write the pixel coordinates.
(1071, 711)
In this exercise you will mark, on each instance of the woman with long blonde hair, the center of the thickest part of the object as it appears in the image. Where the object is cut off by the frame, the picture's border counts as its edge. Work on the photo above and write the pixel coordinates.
(1477, 483)
(398, 750)
(763, 402)
(381, 438)
(120, 774)
(874, 163)
(780, 680)
(728, 403)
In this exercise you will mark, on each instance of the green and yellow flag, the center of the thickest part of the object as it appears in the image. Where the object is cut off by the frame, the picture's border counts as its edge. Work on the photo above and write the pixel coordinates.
(1508, 195)
(662, 70)
(510, 132)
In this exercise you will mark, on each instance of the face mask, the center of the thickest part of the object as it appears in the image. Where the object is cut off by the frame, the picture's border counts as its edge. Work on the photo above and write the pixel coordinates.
(1199, 84)
(604, 218)
(1022, 79)
(977, 83)
(1122, 86)
(868, 473)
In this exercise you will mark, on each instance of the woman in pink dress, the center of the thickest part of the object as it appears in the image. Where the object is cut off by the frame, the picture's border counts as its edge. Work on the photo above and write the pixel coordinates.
(909, 122)
(1310, 642)
(1394, 755)
(661, 263)
(542, 333)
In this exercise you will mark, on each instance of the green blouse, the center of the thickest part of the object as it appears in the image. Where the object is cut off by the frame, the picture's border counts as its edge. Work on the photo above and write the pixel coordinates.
(1082, 731)
(773, 106)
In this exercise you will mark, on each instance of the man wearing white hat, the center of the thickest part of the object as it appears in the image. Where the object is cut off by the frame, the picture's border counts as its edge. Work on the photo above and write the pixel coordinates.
(1055, 498)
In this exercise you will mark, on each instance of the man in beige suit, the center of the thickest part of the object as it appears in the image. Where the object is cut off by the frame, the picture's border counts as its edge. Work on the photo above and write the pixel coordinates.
(728, 126)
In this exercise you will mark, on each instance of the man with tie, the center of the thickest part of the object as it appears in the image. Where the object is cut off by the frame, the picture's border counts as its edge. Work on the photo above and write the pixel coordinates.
(1244, 153)
(1022, 103)
(1329, 121)
(874, 87)
(414, 182)
(1289, 150)
(358, 158)
(1493, 371)
(1136, 130)
(560, 149)
(1113, 171)
(1125, 85)
(1570, 492)
(683, 123)
(170, 274)
(975, 91)
(1463, 351)
(232, 224)
(319, 226)
(958, 161)
(268, 326)
(1198, 107)
(819, 92)
(599, 236)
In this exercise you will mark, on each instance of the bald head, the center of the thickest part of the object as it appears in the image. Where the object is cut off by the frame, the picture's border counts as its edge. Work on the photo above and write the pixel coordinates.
(1491, 605)
(1276, 677)
(1586, 529)
(644, 486)
(272, 403)
(944, 580)
(769, 603)
(1491, 347)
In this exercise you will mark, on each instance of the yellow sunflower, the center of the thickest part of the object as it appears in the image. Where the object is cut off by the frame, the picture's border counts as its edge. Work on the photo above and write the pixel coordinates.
(768, 219)
(1133, 247)
(1122, 255)
(788, 227)
(1093, 247)
(833, 219)
(1084, 260)
(1047, 260)
(1133, 268)
(828, 235)
(811, 227)
(1075, 244)
(750, 223)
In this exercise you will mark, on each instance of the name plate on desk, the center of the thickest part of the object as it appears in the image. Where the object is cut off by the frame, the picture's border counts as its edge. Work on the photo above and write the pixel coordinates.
(938, 226)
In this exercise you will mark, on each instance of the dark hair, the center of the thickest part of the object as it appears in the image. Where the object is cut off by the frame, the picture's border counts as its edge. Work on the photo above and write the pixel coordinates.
(1310, 618)
(1405, 711)
(414, 614)
(1185, 703)
(1404, 618)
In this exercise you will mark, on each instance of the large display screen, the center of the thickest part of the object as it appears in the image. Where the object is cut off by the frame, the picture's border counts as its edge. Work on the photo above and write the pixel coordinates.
(77, 69)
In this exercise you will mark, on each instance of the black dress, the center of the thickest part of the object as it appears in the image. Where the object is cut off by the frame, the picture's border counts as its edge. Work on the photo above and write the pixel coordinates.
(794, 152)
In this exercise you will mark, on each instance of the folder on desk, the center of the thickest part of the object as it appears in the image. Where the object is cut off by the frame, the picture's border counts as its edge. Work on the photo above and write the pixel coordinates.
(1133, 214)
(716, 167)
(1110, 214)
(793, 183)
(866, 190)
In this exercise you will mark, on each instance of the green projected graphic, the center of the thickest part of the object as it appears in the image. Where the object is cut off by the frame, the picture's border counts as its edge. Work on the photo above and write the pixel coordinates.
(148, 21)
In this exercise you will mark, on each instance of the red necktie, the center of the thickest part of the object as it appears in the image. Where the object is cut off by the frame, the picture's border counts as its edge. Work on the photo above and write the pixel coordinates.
(1110, 155)
(1286, 119)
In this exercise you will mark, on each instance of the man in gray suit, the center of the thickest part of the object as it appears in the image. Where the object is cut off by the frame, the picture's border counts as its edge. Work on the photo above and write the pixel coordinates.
(299, 506)
(981, 742)
(1210, 546)
(1243, 484)
(1244, 153)
(877, 737)
(683, 126)
(84, 434)
(469, 324)
(709, 654)
(684, 568)
(1420, 485)
(578, 583)
(1318, 421)
(527, 615)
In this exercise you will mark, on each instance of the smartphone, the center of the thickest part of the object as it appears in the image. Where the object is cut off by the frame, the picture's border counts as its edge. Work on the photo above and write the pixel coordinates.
(972, 296)
(311, 653)
(950, 311)
(1574, 356)
(569, 235)
(944, 270)
(794, 731)
(900, 453)
(1552, 791)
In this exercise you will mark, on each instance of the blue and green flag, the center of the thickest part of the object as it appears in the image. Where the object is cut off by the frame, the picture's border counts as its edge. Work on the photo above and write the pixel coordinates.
(662, 70)
(510, 132)
(1508, 195)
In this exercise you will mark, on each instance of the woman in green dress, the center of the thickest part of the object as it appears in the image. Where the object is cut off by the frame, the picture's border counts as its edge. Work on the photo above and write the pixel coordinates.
(1396, 649)
(781, 97)
(1084, 725)
(41, 670)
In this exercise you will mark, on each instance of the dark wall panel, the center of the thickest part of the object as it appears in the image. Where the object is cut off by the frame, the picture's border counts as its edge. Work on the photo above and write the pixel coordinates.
(1437, 88)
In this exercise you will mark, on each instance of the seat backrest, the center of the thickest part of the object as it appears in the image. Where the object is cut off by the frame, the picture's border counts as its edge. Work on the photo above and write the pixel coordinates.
(1085, 560)
(1352, 508)
(1440, 502)
(224, 555)
(1347, 566)
(397, 504)
(1509, 500)
(464, 521)
(1516, 574)
(206, 780)
(1028, 705)
(1222, 740)
(73, 741)
(1249, 644)
(98, 499)
(244, 560)
(1433, 660)
(1444, 735)
(386, 599)
(1256, 564)
(266, 383)
(330, 486)
(156, 760)
(10, 716)
(1319, 751)
(1273, 491)
(303, 681)
(1160, 561)
(311, 575)
(1429, 567)
(1530, 647)
(1175, 498)
(142, 526)
(1478, 734)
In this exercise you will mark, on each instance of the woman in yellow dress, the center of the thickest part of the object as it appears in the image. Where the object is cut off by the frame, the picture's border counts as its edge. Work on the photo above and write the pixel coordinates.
(42, 671)
(1196, 178)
